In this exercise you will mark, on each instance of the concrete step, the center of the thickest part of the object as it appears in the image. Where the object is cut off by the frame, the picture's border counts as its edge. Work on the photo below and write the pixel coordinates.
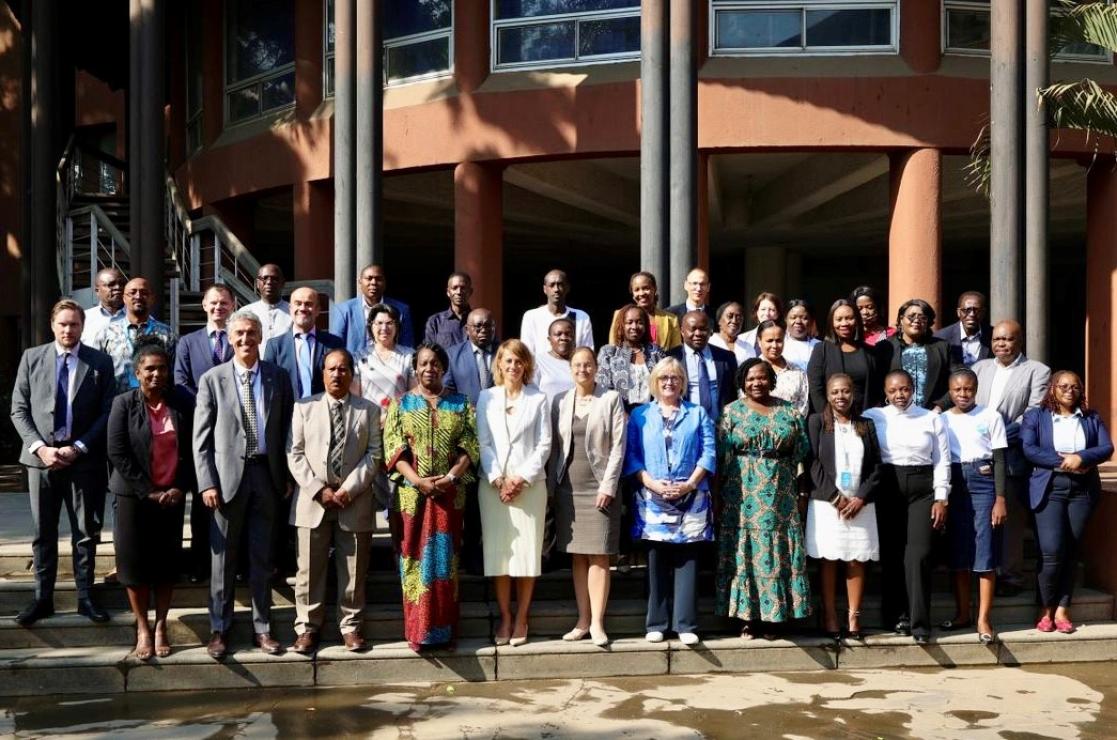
(103, 670)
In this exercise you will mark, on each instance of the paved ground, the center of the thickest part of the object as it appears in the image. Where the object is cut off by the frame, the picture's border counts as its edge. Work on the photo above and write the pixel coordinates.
(1077, 701)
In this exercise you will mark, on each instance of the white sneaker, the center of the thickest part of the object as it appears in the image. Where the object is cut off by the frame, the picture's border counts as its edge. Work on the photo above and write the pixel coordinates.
(688, 638)
(654, 636)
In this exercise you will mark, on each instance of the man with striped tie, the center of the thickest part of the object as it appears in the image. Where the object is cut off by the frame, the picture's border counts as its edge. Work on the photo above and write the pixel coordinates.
(241, 422)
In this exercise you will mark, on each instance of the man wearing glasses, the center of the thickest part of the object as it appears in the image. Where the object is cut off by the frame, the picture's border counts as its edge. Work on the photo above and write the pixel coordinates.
(968, 337)
(274, 312)
(118, 338)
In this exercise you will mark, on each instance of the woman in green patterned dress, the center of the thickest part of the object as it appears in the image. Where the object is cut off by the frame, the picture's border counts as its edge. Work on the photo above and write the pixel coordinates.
(762, 559)
(430, 446)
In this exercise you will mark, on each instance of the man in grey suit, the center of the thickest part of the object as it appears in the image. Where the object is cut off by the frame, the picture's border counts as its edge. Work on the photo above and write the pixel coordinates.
(60, 407)
(241, 422)
(1011, 383)
(334, 453)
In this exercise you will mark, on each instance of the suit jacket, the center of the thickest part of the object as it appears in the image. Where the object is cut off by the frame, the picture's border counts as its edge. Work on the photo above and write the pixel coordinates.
(1024, 390)
(462, 376)
(952, 335)
(823, 471)
(129, 442)
(347, 320)
(517, 445)
(680, 310)
(828, 359)
(193, 357)
(33, 402)
(726, 364)
(219, 441)
(604, 440)
(1037, 433)
(308, 453)
(938, 368)
(281, 352)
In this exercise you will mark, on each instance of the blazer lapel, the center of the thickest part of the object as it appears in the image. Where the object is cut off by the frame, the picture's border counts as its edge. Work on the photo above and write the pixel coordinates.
(81, 367)
(227, 380)
(566, 418)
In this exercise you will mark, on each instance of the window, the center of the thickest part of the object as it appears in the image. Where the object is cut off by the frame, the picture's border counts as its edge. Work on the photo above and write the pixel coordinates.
(803, 27)
(259, 57)
(418, 40)
(194, 78)
(533, 33)
(967, 29)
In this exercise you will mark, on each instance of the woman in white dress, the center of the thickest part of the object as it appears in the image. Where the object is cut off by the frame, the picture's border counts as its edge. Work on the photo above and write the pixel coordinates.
(383, 371)
(514, 429)
(552, 368)
(842, 520)
(800, 339)
(791, 383)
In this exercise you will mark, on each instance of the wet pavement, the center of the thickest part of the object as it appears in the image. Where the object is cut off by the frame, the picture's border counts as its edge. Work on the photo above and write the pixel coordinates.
(1068, 701)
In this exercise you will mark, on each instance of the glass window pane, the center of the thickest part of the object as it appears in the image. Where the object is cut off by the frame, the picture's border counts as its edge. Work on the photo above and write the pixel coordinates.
(194, 45)
(329, 77)
(849, 28)
(536, 43)
(330, 30)
(753, 29)
(1083, 50)
(279, 91)
(407, 17)
(244, 103)
(966, 29)
(261, 37)
(533, 8)
(415, 59)
(609, 36)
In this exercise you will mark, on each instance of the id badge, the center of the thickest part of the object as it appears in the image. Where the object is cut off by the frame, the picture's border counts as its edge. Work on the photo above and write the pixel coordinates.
(845, 480)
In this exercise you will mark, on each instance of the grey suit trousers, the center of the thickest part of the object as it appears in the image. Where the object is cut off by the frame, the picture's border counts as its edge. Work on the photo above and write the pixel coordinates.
(351, 553)
(252, 510)
(82, 492)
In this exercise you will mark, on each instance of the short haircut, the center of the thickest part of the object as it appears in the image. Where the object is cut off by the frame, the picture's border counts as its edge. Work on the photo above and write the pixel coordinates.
(519, 349)
(147, 345)
(458, 274)
(866, 291)
(799, 303)
(378, 309)
(643, 274)
(666, 366)
(585, 350)
(618, 323)
(245, 315)
(962, 372)
(899, 372)
(773, 298)
(749, 364)
(221, 288)
(725, 307)
(858, 327)
(67, 304)
(556, 322)
(436, 348)
(972, 294)
(348, 357)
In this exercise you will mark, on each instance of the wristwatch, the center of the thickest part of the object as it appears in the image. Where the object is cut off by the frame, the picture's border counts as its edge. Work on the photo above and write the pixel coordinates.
(453, 478)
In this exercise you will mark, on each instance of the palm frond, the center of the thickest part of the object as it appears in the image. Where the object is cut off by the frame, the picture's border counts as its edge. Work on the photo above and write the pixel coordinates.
(1082, 106)
(979, 169)
(1084, 23)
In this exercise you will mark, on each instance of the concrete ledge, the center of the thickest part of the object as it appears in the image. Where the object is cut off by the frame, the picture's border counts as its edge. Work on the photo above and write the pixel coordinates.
(583, 659)
(734, 655)
(32, 672)
(945, 650)
(473, 660)
(243, 668)
(1089, 643)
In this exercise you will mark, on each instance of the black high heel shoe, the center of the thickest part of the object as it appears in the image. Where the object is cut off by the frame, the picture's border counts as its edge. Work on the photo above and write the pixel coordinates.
(856, 634)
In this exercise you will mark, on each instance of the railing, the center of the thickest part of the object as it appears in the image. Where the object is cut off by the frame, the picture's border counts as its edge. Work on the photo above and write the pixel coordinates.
(105, 246)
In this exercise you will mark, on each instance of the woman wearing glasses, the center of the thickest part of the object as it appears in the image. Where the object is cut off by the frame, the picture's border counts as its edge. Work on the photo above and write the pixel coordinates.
(1065, 441)
(919, 353)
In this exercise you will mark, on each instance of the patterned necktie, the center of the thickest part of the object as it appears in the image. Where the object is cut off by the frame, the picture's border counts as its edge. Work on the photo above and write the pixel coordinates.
(484, 374)
(248, 412)
(219, 347)
(62, 397)
(337, 440)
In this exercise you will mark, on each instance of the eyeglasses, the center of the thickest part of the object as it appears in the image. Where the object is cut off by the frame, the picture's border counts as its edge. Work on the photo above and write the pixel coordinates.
(482, 325)
(268, 279)
(670, 379)
(913, 318)
(1067, 387)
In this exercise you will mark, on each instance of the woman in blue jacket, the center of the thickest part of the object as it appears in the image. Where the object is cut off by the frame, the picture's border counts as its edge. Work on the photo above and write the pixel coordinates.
(1066, 442)
(670, 452)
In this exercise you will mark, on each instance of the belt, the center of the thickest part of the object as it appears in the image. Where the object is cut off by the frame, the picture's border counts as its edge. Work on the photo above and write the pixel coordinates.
(982, 461)
(256, 460)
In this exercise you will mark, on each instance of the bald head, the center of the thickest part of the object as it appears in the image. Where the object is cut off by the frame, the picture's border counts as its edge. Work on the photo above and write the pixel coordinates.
(1007, 341)
(697, 287)
(138, 299)
(480, 327)
(304, 308)
(110, 288)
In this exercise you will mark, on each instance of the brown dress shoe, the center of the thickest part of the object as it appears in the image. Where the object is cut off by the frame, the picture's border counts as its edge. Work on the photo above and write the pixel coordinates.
(217, 647)
(265, 642)
(306, 643)
(354, 643)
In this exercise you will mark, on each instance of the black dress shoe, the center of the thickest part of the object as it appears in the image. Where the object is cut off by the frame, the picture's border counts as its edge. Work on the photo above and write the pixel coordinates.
(903, 627)
(217, 646)
(33, 612)
(88, 608)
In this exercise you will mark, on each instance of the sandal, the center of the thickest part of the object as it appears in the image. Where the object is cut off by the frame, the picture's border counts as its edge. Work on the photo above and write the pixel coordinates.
(747, 633)
(142, 650)
(162, 646)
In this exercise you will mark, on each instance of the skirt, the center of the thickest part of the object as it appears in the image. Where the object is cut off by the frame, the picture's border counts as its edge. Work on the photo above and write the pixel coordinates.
(581, 529)
(829, 537)
(147, 539)
(975, 544)
(512, 534)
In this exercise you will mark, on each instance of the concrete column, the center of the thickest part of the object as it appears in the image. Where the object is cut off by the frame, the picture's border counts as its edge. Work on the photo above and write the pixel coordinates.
(313, 222)
(1101, 289)
(921, 36)
(683, 117)
(702, 233)
(310, 19)
(915, 228)
(370, 134)
(654, 143)
(147, 235)
(1036, 202)
(42, 127)
(479, 235)
(1006, 187)
(345, 269)
(134, 95)
(471, 44)
(765, 270)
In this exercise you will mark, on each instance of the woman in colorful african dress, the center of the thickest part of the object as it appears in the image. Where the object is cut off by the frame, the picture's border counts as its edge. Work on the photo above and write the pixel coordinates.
(762, 561)
(430, 445)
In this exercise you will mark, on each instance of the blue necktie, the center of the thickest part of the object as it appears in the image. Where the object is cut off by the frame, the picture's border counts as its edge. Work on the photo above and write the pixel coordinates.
(62, 397)
(302, 349)
(704, 385)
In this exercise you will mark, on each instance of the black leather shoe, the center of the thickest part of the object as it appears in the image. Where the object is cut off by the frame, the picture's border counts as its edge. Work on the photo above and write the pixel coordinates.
(88, 608)
(903, 627)
(33, 612)
(217, 646)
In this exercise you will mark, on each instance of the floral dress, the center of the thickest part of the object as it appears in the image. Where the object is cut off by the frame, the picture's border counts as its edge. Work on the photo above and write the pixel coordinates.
(762, 568)
(430, 527)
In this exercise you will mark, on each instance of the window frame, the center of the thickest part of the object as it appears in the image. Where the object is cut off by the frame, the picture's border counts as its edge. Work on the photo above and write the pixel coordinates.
(495, 26)
(256, 80)
(197, 119)
(985, 7)
(803, 7)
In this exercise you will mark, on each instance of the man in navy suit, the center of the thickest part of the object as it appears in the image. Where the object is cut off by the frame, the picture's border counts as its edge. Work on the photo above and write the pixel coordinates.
(711, 371)
(471, 362)
(697, 287)
(200, 350)
(968, 337)
(349, 319)
(301, 351)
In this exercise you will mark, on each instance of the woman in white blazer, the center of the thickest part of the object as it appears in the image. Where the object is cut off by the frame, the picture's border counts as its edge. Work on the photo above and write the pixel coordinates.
(514, 429)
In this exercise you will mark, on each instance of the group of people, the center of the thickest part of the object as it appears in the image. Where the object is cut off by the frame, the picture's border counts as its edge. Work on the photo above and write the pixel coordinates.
(863, 444)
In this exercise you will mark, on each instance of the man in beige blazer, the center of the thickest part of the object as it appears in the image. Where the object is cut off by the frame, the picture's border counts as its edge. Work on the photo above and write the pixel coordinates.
(334, 451)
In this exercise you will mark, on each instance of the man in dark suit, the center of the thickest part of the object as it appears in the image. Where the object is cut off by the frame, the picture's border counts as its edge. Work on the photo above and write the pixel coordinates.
(349, 319)
(968, 337)
(200, 350)
(241, 422)
(301, 350)
(697, 287)
(471, 362)
(60, 407)
(711, 371)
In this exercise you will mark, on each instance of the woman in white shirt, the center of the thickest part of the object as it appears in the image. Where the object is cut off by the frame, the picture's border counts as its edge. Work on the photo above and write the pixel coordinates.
(766, 307)
(383, 371)
(977, 500)
(730, 319)
(800, 339)
(552, 368)
(514, 429)
(912, 505)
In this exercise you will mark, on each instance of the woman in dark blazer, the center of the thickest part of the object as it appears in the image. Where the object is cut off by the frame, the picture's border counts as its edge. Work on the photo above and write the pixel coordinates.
(1065, 441)
(844, 474)
(925, 357)
(149, 449)
(844, 351)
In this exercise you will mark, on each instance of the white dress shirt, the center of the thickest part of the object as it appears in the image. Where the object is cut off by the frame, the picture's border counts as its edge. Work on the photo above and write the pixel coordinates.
(537, 322)
(740, 350)
(797, 352)
(914, 436)
(973, 436)
(1001, 375)
(258, 396)
(1067, 434)
(275, 319)
(96, 319)
(691, 358)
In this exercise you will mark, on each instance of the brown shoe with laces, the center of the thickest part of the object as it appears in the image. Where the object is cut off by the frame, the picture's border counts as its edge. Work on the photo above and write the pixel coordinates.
(354, 643)
(265, 642)
(306, 643)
